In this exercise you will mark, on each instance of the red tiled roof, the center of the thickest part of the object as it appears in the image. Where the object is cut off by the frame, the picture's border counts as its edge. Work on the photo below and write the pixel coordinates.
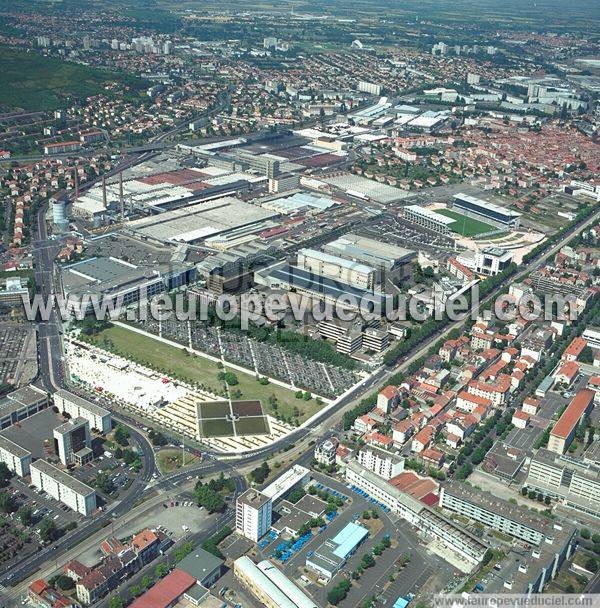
(576, 346)
(38, 587)
(389, 392)
(573, 414)
(143, 540)
(166, 591)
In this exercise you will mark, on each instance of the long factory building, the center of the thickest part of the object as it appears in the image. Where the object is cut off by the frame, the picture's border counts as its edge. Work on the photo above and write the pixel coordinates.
(272, 588)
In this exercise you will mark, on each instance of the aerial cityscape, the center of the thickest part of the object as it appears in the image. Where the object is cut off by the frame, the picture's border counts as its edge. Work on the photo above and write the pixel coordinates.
(299, 303)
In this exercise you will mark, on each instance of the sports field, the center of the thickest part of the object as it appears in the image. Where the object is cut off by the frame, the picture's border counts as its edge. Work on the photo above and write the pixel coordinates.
(465, 225)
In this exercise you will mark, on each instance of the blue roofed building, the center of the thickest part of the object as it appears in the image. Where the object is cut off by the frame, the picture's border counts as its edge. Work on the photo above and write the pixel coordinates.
(331, 556)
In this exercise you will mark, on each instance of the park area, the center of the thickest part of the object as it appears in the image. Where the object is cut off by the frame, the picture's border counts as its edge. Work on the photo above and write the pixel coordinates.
(180, 364)
(220, 419)
(465, 225)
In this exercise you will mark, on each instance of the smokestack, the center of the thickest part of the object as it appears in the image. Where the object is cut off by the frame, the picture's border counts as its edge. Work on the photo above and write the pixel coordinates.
(104, 192)
(121, 201)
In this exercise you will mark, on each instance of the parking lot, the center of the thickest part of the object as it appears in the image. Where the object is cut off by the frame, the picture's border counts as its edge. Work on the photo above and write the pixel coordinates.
(42, 507)
(409, 574)
(17, 352)
(395, 230)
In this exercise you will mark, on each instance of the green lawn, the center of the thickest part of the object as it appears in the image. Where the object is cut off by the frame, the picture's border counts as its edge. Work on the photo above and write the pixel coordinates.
(170, 459)
(255, 425)
(216, 427)
(218, 409)
(195, 369)
(464, 225)
(34, 82)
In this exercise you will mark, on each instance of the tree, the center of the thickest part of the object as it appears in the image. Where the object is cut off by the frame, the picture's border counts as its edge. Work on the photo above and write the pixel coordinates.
(24, 514)
(146, 581)
(160, 570)
(47, 530)
(104, 483)
(7, 503)
(5, 474)
(115, 602)
(259, 474)
(585, 533)
(367, 561)
(591, 564)
(122, 435)
(64, 583)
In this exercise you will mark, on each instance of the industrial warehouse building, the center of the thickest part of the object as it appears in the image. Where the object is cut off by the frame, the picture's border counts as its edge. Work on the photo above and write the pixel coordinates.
(269, 585)
(63, 487)
(337, 268)
(379, 255)
(120, 282)
(331, 556)
(21, 404)
(78, 407)
(304, 282)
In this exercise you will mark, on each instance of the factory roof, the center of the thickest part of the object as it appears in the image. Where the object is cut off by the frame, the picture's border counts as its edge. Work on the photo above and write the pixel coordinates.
(280, 589)
(369, 250)
(200, 220)
(348, 539)
(304, 279)
(334, 259)
(22, 397)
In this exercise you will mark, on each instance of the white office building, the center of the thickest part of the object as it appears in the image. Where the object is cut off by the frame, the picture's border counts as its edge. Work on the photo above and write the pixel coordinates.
(492, 261)
(72, 442)
(253, 514)
(16, 458)
(382, 463)
(78, 407)
(334, 267)
(63, 487)
(295, 476)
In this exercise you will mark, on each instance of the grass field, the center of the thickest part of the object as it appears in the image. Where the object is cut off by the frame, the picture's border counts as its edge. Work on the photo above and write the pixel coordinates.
(33, 82)
(464, 225)
(216, 427)
(169, 460)
(217, 409)
(254, 425)
(157, 355)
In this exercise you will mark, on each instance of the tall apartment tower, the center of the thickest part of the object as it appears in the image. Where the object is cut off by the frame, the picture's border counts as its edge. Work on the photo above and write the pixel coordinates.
(253, 512)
